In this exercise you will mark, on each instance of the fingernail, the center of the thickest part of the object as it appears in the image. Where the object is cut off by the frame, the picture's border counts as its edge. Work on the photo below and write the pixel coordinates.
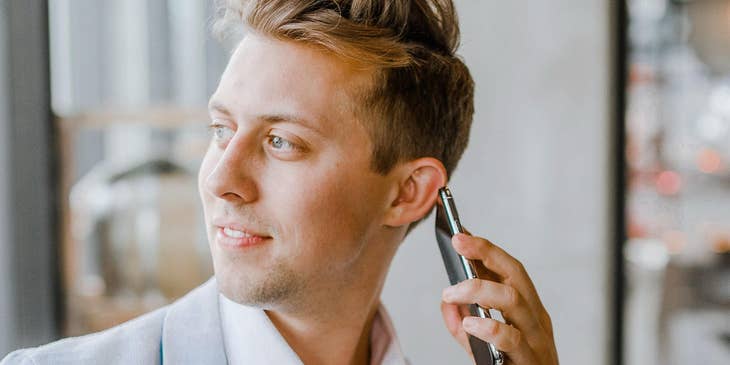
(459, 237)
(470, 323)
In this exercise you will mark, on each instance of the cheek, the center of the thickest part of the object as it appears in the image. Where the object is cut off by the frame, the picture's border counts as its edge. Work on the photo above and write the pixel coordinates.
(327, 211)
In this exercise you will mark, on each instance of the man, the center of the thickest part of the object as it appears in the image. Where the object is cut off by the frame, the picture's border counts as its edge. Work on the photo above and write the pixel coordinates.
(333, 127)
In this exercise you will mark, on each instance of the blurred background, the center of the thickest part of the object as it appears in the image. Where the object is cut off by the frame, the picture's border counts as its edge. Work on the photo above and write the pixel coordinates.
(599, 157)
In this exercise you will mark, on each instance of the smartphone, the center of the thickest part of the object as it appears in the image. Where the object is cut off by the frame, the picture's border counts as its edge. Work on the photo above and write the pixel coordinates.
(459, 269)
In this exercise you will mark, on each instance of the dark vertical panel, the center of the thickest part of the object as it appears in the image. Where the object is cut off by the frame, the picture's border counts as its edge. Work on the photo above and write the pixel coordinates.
(6, 308)
(30, 179)
(620, 29)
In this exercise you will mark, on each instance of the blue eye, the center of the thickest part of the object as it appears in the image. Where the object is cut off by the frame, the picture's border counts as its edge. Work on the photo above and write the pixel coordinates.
(220, 132)
(281, 143)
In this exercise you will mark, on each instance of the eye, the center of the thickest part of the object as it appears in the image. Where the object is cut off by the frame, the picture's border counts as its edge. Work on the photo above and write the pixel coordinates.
(220, 132)
(281, 144)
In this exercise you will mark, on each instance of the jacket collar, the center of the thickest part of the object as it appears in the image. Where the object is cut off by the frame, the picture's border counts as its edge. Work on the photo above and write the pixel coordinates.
(251, 338)
(191, 332)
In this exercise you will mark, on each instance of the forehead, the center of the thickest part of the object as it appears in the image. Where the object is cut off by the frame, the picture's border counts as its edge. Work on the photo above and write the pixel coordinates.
(266, 76)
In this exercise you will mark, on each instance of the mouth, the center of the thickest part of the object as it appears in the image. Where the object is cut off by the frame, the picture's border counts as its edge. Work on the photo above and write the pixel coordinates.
(237, 238)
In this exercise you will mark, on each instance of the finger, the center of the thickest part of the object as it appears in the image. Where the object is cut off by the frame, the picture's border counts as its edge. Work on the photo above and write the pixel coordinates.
(510, 270)
(453, 316)
(493, 257)
(504, 337)
(505, 298)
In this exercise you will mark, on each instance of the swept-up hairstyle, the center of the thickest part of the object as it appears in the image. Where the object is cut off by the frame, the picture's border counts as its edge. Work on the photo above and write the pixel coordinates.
(421, 102)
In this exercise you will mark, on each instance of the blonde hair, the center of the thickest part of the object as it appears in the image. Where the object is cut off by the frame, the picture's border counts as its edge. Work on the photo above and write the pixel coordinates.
(421, 102)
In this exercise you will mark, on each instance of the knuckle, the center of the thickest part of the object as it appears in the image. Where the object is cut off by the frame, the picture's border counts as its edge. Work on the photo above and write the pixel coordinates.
(515, 337)
(486, 242)
(512, 296)
(548, 322)
(485, 247)
(519, 267)
(473, 286)
(492, 328)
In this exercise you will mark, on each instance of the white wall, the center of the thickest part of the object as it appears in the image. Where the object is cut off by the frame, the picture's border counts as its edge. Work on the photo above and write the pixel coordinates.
(535, 178)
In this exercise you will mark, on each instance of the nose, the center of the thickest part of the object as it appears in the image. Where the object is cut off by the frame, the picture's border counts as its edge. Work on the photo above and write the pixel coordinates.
(233, 176)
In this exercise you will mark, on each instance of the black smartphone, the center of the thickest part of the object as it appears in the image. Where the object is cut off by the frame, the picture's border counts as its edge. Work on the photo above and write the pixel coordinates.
(459, 269)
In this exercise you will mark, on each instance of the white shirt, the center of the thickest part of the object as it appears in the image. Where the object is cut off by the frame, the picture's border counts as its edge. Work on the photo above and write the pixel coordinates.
(249, 337)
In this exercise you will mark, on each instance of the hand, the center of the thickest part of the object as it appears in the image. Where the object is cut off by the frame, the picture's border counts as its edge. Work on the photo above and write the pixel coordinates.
(527, 337)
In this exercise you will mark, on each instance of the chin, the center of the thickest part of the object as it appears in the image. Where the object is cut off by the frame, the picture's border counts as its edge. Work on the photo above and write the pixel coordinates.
(276, 287)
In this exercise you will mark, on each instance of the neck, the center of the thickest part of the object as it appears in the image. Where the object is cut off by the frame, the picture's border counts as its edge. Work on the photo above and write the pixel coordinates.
(339, 338)
(330, 336)
(334, 327)
(330, 323)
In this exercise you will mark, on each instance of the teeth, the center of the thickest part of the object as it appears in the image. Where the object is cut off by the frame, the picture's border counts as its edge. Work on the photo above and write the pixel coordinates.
(235, 234)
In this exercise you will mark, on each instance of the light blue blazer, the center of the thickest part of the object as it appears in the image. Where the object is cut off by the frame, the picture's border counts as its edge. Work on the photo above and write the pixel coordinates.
(154, 338)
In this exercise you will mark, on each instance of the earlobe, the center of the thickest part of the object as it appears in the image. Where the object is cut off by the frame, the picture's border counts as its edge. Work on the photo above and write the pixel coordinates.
(417, 191)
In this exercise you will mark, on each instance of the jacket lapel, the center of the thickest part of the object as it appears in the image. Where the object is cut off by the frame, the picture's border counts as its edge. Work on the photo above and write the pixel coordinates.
(191, 332)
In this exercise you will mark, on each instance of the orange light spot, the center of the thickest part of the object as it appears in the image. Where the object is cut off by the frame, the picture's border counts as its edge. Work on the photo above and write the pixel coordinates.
(709, 161)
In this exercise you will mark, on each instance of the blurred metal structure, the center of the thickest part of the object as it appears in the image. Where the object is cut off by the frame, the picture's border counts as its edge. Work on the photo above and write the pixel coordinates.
(130, 94)
(677, 119)
(133, 238)
(28, 240)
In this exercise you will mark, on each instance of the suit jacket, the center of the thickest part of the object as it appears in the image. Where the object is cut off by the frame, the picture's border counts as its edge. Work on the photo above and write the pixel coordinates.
(150, 339)
(190, 331)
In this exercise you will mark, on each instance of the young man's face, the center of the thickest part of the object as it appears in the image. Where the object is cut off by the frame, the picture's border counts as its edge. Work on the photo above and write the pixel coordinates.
(291, 205)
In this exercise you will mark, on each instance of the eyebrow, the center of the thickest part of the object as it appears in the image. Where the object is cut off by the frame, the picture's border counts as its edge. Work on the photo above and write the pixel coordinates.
(268, 118)
(218, 107)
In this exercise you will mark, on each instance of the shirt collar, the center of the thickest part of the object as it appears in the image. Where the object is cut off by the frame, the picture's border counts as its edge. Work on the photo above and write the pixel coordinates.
(191, 331)
(384, 346)
(249, 337)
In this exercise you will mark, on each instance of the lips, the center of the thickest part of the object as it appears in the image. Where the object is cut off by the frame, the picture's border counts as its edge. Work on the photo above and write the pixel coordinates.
(235, 236)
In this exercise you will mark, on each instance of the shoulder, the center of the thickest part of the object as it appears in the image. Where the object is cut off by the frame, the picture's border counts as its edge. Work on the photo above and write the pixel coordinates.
(133, 342)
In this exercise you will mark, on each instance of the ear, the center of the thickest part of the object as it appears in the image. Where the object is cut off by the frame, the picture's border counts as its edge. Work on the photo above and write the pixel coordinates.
(418, 185)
